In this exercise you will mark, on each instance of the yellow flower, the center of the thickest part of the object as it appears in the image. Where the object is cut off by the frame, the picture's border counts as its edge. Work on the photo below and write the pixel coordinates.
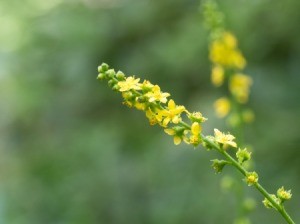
(217, 75)
(157, 95)
(222, 107)
(172, 113)
(147, 85)
(224, 51)
(195, 134)
(224, 139)
(140, 106)
(177, 139)
(229, 40)
(239, 86)
(129, 83)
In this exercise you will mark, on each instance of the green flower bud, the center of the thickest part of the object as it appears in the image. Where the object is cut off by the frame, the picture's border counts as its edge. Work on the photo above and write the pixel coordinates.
(128, 95)
(111, 73)
(243, 155)
(251, 178)
(196, 117)
(268, 204)
(111, 83)
(218, 165)
(120, 76)
(101, 76)
(284, 195)
(116, 87)
(103, 68)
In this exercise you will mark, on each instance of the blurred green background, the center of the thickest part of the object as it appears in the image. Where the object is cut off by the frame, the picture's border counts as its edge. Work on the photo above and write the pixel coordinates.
(70, 152)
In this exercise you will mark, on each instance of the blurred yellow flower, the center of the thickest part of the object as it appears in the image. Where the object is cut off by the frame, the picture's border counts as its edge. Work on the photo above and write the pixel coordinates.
(224, 51)
(217, 75)
(239, 86)
(229, 40)
(222, 107)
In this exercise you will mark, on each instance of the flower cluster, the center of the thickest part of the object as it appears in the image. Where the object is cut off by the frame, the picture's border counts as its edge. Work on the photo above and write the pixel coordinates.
(224, 52)
(228, 62)
(158, 108)
(161, 110)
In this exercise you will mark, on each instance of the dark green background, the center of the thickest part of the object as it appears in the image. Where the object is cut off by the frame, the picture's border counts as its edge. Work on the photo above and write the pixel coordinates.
(70, 152)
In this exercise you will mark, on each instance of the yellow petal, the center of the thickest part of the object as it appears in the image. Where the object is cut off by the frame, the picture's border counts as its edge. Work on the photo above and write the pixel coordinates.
(170, 131)
(171, 104)
(217, 132)
(196, 128)
(177, 140)
(176, 119)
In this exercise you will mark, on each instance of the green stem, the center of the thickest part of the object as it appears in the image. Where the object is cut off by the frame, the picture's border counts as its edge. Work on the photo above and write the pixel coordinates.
(279, 207)
(261, 189)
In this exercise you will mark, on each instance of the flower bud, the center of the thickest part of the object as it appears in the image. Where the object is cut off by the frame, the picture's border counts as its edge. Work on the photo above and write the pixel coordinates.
(116, 87)
(283, 194)
(128, 95)
(111, 73)
(120, 76)
(243, 155)
(251, 178)
(103, 68)
(196, 117)
(111, 83)
(101, 76)
(268, 204)
(218, 165)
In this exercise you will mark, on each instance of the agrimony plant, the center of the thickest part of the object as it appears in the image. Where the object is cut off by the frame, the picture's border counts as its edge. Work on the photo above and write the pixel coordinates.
(162, 111)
